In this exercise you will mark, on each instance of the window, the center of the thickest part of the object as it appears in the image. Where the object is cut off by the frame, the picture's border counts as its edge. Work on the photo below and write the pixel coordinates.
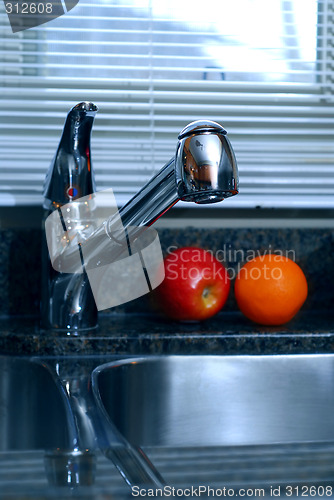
(264, 70)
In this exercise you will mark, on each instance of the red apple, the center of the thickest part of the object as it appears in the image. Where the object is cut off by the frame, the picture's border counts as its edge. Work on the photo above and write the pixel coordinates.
(196, 285)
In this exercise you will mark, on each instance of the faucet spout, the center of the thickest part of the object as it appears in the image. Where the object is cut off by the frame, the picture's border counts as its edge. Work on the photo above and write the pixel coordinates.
(203, 170)
(206, 168)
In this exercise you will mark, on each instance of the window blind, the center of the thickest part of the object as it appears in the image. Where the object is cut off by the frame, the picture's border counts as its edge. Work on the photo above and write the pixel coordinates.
(264, 70)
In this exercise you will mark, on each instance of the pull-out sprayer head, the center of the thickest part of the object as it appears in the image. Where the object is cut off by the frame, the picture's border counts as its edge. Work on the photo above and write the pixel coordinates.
(205, 165)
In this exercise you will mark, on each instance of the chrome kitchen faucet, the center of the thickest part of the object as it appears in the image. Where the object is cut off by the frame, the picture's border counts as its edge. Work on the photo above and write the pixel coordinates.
(203, 170)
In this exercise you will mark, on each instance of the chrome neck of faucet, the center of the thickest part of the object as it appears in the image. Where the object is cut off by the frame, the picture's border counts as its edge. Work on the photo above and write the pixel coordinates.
(153, 200)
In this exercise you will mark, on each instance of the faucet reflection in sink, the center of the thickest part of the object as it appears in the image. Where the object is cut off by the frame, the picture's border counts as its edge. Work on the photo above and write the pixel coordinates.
(35, 416)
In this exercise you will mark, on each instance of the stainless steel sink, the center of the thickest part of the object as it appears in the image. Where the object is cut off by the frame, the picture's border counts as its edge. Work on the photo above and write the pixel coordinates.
(215, 420)
(226, 419)
(220, 400)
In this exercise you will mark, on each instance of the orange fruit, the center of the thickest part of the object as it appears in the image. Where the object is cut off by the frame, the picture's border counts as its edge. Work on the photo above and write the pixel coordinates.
(270, 289)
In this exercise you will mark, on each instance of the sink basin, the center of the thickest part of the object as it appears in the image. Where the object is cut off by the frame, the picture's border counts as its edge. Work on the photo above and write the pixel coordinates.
(32, 410)
(216, 420)
(220, 400)
(226, 419)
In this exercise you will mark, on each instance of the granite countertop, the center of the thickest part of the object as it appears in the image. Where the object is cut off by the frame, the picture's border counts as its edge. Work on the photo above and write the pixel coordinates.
(136, 334)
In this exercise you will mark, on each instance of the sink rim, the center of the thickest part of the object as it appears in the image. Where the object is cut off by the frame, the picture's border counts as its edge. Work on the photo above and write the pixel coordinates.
(136, 359)
(274, 389)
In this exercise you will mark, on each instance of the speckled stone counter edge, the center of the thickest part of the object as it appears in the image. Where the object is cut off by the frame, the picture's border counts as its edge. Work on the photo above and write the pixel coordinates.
(135, 334)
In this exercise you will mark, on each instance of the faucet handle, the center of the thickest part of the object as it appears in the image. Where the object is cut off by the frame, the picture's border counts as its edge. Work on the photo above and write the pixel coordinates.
(70, 175)
(205, 165)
